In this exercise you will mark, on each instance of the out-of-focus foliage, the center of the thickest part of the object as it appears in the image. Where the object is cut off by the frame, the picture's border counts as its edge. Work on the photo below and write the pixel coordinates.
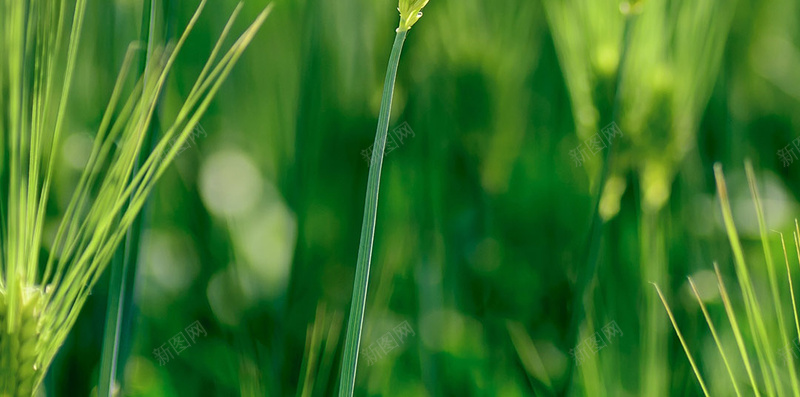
(483, 216)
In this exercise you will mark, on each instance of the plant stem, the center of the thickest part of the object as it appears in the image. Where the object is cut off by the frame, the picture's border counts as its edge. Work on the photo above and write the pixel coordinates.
(125, 259)
(655, 262)
(360, 284)
(583, 287)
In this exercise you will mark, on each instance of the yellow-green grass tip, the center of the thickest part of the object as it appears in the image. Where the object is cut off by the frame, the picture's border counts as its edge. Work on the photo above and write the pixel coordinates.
(410, 13)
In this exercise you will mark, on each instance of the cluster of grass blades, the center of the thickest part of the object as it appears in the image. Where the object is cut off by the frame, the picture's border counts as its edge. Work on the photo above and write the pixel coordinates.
(410, 13)
(43, 287)
(764, 326)
(618, 61)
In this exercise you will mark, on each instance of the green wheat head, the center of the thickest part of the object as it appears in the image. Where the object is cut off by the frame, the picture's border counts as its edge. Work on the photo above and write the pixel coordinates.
(672, 53)
(410, 13)
(43, 289)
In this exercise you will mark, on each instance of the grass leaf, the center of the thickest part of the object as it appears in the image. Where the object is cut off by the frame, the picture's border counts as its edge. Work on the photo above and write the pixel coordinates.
(360, 285)
(716, 337)
(683, 342)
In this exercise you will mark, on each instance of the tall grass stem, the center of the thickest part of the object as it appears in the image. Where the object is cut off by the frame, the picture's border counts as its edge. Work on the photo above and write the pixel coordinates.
(127, 256)
(361, 282)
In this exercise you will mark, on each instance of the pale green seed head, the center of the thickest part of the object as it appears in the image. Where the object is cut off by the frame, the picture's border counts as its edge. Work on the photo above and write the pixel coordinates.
(410, 13)
(22, 347)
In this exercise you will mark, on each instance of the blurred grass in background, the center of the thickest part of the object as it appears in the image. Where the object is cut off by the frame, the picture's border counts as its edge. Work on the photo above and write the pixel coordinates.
(484, 218)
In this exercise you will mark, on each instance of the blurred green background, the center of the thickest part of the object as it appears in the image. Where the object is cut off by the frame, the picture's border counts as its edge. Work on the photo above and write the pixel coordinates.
(484, 244)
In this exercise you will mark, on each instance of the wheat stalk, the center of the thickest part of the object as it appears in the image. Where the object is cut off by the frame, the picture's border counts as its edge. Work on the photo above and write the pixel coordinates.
(41, 296)
(410, 13)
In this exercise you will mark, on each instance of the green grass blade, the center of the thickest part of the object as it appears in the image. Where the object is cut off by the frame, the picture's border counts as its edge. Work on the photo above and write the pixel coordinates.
(792, 371)
(737, 333)
(773, 280)
(359, 300)
(716, 337)
(683, 342)
(791, 286)
(123, 259)
(752, 308)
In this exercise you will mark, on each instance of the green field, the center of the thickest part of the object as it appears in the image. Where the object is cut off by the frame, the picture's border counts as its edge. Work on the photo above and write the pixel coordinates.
(550, 166)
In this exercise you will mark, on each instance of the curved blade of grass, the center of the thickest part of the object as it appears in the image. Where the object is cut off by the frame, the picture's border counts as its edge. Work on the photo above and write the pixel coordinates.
(752, 308)
(716, 337)
(773, 280)
(737, 334)
(683, 342)
(360, 284)
(789, 277)
(792, 370)
(126, 256)
(124, 266)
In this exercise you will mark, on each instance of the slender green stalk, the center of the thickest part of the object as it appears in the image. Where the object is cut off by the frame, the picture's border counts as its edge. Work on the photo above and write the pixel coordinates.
(791, 286)
(683, 341)
(773, 280)
(752, 308)
(126, 257)
(792, 370)
(359, 300)
(716, 336)
(410, 13)
(737, 333)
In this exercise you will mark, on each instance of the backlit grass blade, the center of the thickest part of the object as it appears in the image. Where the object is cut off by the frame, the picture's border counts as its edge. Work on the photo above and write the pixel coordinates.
(716, 337)
(773, 279)
(792, 372)
(683, 342)
(126, 257)
(791, 285)
(752, 308)
(737, 333)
